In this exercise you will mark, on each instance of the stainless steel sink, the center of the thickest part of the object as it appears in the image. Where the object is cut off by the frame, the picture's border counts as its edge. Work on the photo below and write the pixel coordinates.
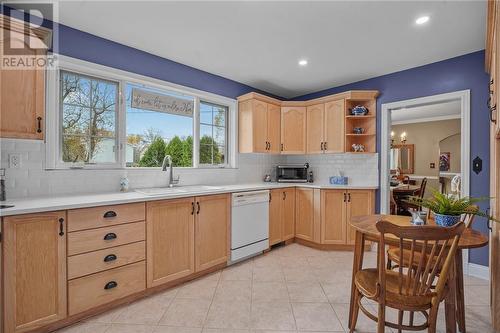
(152, 191)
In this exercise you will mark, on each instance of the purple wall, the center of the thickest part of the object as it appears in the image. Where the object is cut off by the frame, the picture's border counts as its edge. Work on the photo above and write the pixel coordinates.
(82, 45)
(460, 73)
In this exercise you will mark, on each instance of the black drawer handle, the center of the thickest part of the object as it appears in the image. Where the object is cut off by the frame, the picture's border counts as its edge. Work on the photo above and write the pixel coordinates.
(39, 125)
(110, 236)
(109, 214)
(111, 285)
(110, 257)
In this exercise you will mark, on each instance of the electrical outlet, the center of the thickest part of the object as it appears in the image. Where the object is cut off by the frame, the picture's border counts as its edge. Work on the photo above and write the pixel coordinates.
(14, 161)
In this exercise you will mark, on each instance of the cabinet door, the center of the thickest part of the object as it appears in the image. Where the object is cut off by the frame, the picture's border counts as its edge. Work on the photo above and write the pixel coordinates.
(333, 217)
(34, 270)
(274, 128)
(252, 126)
(304, 213)
(359, 202)
(211, 230)
(288, 213)
(315, 118)
(293, 130)
(170, 240)
(22, 101)
(334, 126)
(275, 216)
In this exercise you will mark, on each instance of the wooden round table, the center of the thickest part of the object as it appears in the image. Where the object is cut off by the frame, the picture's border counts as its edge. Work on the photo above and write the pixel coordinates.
(454, 302)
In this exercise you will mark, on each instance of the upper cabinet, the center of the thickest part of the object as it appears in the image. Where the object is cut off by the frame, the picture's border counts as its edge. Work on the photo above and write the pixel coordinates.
(293, 130)
(318, 126)
(325, 127)
(259, 126)
(22, 106)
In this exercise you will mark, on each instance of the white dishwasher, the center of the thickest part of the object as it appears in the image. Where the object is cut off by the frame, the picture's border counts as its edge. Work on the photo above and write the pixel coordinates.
(249, 224)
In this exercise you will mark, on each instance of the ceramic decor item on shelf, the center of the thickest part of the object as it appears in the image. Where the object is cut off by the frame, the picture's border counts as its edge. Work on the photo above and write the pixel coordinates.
(358, 147)
(448, 209)
(359, 110)
(358, 130)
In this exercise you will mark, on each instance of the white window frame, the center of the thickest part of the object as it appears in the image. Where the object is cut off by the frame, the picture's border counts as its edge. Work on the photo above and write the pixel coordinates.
(53, 121)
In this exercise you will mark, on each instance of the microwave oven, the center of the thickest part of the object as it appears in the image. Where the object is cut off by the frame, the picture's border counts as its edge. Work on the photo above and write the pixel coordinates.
(292, 173)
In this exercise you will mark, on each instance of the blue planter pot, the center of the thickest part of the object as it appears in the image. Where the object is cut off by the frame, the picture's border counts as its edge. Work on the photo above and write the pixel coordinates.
(446, 220)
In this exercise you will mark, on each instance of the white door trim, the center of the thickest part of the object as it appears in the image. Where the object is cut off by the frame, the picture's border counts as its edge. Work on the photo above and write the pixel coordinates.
(385, 140)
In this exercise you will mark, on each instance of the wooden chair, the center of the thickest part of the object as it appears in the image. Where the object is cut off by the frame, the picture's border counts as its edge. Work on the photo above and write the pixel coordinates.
(420, 193)
(393, 253)
(409, 290)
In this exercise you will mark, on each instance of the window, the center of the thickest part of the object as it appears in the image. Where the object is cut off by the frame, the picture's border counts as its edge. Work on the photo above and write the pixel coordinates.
(213, 136)
(100, 117)
(89, 107)
(153, 132)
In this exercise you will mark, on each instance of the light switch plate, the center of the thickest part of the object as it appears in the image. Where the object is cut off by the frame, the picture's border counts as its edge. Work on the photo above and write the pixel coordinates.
(14, 161)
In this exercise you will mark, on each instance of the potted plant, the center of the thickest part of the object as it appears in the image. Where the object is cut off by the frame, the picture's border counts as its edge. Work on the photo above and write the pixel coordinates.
(449, 208)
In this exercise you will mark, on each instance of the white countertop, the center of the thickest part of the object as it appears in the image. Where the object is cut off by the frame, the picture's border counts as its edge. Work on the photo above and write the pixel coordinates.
(44, 204)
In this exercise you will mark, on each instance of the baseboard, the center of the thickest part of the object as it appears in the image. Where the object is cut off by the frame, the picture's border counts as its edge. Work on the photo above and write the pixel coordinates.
(479, 271)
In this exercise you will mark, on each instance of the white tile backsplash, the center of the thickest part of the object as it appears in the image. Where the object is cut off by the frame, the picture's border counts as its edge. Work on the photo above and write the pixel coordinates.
(32, 180)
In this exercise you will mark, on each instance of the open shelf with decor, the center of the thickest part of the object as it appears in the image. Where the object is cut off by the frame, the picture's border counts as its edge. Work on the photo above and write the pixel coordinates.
(360, 124)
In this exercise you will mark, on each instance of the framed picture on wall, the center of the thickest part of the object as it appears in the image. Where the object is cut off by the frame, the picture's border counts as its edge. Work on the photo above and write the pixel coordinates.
(444, 161)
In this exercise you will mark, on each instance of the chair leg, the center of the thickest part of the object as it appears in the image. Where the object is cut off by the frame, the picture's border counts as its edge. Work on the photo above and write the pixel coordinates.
(432, 320)
(389, 264)
(412, 315)
(400, 320)
(355, 311)
(381, 318)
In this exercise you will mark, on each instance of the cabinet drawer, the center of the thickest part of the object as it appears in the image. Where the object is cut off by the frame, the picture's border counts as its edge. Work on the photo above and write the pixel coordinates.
(97, 289)
(103, 238)
(98, 261)
(97, 217)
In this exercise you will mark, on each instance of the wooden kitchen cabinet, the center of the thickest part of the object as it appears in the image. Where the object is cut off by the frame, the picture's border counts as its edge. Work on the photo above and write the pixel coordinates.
(334, 131)
(293, 129)
(22, 102)
(35, 290)
(275, 216)
(259, 127)
(359, 202)
(315, 134)
(281, 215)
(325, 127)
(304, 213)
(333, 217)
(170, 240)
(211, 231)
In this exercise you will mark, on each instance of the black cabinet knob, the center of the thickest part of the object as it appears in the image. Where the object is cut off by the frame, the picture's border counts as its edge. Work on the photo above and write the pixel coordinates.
(110, 236)
(109, 214)
(111, 285)
(110, 257)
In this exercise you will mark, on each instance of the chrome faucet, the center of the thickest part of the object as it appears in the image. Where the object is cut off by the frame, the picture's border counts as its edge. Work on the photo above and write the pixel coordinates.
(171, 180)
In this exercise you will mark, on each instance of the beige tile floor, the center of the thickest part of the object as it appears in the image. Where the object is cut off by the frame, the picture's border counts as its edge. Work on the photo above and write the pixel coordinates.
(290, 289)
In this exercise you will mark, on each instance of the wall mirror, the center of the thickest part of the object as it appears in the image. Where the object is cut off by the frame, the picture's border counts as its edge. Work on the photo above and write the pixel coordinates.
(402, 157)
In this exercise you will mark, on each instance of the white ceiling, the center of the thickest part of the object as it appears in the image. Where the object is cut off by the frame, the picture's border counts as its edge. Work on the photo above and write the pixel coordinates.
(260, 43)
(425, 113)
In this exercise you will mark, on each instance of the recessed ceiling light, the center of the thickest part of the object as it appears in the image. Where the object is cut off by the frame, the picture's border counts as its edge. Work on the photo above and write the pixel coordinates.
(422, 20)
(302, 62)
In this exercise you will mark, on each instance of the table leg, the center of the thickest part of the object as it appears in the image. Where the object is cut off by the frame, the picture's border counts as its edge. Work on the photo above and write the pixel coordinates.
(449, 302)
(356, 266)
(460, 291)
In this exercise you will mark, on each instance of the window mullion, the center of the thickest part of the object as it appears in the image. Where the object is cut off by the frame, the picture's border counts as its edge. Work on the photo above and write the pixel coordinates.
(196, 133)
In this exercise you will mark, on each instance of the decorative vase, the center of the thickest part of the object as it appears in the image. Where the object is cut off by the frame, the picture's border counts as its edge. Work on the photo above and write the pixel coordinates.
(446, 220)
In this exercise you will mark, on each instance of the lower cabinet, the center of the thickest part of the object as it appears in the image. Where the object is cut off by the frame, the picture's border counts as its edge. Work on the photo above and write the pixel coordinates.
(305, 214)
(170, 240)
(34, 270)
(281, 215)
(337, 209)
(212, 231)
(185, 236)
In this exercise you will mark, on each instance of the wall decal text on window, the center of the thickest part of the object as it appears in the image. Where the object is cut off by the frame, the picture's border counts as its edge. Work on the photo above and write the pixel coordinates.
(142, 99)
